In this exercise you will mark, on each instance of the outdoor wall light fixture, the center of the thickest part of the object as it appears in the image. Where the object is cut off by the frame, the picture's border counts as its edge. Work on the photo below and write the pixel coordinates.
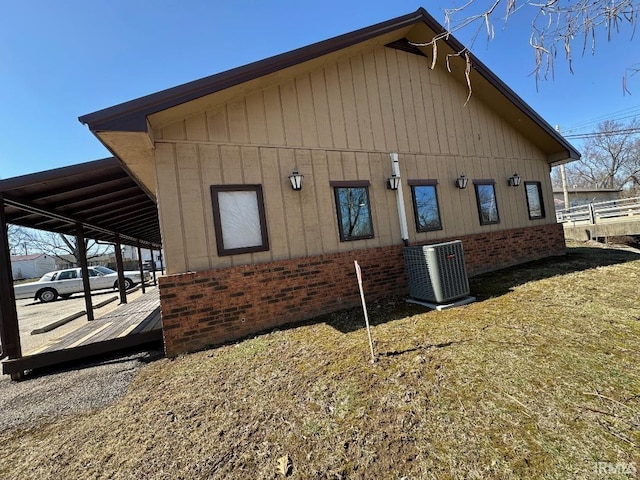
(461, 181)
(393, 182)
(514, 180)
(296, 180)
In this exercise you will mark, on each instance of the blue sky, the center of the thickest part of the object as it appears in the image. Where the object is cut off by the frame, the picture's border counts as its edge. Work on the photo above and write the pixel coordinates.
(60, 60)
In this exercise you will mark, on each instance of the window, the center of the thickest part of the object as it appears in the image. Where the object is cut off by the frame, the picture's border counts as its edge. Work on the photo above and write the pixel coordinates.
(425, 205)
(67, 275)
(534, 200)
(487, 204)
(104, 270)
(354, 210)
(239, 219)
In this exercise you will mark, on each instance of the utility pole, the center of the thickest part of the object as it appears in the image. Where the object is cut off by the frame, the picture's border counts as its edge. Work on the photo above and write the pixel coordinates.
(563, 175)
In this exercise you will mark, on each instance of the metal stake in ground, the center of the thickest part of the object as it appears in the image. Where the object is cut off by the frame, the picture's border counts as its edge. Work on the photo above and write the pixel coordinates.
(364, 308)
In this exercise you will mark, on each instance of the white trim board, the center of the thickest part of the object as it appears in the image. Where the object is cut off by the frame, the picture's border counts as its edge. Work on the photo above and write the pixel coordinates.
(435, 306)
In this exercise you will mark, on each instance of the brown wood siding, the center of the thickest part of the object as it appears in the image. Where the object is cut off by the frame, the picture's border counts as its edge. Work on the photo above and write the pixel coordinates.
(340, 122)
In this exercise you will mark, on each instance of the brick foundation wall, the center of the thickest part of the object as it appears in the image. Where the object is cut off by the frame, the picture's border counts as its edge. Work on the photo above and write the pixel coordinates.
(495, 250)
(211, 307)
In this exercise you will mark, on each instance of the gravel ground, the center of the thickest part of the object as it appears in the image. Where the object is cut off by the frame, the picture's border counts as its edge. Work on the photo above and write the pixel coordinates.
(49, 395)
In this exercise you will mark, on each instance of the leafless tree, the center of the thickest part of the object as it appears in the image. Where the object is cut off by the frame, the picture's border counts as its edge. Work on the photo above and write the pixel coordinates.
(426, 208)
(58, 245)
(556, 28)
(610, 159)
(18, 240)
(354, 207)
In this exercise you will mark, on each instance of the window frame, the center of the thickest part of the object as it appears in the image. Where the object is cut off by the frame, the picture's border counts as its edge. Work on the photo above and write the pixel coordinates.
(68, 275)
(484, 183)
(543, 213)
(425, 183)
(217, 220)
(336, 185)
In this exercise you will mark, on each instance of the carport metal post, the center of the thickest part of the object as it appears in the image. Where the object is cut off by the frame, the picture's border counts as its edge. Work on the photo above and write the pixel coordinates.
(82, 250)
(119, 267)
(9, 330)
(140, 266)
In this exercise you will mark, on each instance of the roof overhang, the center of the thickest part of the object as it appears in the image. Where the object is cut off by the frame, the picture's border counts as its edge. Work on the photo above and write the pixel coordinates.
(140, 115)
(99, 195)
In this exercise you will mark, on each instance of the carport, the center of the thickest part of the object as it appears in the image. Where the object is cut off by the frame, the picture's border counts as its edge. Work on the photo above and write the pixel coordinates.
(97, 200)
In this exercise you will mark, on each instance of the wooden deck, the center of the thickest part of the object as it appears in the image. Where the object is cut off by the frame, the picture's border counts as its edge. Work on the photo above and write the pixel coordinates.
(130, 325)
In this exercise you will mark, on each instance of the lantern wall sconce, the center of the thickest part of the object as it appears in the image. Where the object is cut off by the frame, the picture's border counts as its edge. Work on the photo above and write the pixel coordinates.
(461, 181)
(514, 180)
(296, 180)
(393, 182)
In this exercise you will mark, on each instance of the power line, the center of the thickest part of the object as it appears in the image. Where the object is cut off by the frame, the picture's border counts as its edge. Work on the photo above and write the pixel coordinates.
(630, 112)
(624, 131)
(605, 116)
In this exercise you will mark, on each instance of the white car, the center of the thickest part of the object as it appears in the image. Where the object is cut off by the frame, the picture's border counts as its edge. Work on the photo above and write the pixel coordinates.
(64, 283)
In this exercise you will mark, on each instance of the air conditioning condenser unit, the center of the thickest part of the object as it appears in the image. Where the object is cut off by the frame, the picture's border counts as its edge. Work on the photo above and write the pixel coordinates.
(436, 273)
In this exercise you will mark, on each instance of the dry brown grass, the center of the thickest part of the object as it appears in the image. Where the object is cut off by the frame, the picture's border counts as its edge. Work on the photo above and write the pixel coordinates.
(538, 379)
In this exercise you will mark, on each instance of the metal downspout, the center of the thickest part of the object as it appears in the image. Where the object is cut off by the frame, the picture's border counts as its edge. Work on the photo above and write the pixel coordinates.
(402, 215)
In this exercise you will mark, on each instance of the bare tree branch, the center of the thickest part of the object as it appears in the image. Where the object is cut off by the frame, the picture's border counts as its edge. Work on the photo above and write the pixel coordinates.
(62, 246)
(18, 240)
(611, 159)
(555, 25)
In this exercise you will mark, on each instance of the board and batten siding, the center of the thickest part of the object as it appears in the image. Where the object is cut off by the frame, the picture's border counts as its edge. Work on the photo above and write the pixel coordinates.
(339, 123)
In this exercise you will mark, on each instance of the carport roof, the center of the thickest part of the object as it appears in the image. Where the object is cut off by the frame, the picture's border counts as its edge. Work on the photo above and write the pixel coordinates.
(100, 195)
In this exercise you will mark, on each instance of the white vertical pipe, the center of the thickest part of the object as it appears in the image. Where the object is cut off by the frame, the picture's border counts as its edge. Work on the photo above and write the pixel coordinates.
(402, 216)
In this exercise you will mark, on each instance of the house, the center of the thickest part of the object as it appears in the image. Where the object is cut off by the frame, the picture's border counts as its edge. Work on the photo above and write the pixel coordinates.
(70, 261)
(582, 196)
(246, 252)
(31, 266)
(130, 252)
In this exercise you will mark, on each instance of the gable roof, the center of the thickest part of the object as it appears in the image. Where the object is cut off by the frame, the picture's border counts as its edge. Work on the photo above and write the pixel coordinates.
(132, 116)
(24, 258)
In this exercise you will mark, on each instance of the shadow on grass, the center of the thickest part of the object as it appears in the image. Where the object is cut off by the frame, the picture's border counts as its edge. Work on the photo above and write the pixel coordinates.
(577, 259)
(487, 285)
(383, 311)
(421, 348)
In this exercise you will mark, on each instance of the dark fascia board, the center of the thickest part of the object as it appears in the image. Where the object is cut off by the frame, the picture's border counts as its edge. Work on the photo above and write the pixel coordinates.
(512, 96)
(48, 175)
(132, 115)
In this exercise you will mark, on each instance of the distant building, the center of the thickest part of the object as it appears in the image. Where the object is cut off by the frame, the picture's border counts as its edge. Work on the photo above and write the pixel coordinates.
(69, 261)
(130, 252)
(582, 196)
(31, 266)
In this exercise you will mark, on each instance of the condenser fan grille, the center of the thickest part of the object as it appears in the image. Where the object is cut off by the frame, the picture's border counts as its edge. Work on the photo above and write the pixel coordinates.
(436, 273)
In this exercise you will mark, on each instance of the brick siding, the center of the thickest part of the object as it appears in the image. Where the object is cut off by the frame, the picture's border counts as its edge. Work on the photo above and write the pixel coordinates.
(206, 308)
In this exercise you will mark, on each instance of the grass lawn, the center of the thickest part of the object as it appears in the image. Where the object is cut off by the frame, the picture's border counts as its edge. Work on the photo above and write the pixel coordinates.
(538, 379)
